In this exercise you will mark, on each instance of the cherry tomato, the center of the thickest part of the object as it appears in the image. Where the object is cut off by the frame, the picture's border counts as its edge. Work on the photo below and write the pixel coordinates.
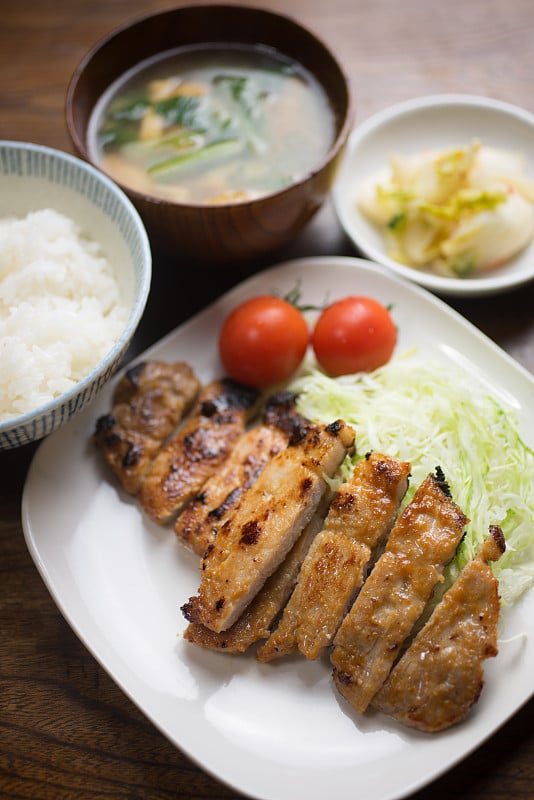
(263, 341)
(356, 334)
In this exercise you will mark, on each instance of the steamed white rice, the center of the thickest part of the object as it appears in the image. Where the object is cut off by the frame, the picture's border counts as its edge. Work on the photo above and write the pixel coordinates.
(60, 309)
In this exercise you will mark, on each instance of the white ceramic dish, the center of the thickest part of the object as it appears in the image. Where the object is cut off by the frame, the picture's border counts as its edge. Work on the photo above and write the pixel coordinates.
(426, 123)
(34, 177)
(273, 732)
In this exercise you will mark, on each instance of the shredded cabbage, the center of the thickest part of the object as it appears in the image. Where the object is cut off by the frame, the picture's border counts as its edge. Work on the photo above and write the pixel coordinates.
(432, 415)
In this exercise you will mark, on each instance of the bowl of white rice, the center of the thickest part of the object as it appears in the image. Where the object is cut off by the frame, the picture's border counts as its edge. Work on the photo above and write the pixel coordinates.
(75, 270)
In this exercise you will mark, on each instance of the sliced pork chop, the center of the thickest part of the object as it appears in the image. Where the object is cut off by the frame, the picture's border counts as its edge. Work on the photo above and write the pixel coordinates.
(330, 575)
(256, 621)
(361, 516)
(440, 676)
(150, 400)
(266, 523)
(199, 447)
(198, 522)
(422, 542)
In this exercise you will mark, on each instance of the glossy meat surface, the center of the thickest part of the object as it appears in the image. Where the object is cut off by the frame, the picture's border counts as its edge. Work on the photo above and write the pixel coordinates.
(422, 542)
(150, 400)
(266, 523)
(199, 521)
(256, 621)
(361, 516)
(440, 676)
(330, 575)
(200, 446)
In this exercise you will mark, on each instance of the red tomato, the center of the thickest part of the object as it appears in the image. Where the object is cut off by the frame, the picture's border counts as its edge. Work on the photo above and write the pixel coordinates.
(263, 341)
(356, 334)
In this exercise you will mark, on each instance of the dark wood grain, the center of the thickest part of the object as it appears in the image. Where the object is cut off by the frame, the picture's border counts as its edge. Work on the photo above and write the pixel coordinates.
(66, 731)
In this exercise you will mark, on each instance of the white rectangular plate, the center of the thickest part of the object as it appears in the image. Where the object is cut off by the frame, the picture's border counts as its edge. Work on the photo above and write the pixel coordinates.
(273, 732)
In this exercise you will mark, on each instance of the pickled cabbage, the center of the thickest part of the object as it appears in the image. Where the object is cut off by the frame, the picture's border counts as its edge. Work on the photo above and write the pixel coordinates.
(456, 212)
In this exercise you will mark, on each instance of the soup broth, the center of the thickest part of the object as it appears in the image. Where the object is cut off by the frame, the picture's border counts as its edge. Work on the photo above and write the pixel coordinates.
(212, 124)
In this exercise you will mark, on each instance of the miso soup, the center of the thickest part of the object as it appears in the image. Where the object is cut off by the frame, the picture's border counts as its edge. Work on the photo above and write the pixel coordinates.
(212, 124)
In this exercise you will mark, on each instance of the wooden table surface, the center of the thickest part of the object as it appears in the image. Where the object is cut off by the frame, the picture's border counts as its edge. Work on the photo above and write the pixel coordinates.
(66, 731)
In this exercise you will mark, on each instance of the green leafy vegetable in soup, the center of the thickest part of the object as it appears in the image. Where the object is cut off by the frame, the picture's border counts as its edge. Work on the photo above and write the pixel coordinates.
(211, 124)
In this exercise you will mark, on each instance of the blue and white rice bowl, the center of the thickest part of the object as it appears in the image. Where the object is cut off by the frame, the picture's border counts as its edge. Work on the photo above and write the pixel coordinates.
(34, 177)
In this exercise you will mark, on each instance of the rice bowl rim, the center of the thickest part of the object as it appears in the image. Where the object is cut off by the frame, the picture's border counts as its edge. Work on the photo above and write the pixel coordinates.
(142, 276)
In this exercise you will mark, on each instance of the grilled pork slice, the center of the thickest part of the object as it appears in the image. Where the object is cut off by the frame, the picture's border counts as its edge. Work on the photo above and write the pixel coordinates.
(330, 575)
(257, 619)
(199, 447)
(394, 595)
(361, 515)
(198, 522)
(440, 676)
(266, 523)
(150, 400)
